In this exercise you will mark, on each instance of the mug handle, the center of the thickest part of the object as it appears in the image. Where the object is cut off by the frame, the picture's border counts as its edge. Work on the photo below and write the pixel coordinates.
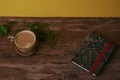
(11, 38)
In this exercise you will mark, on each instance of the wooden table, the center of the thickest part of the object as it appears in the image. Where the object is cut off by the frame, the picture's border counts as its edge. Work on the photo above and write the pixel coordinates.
(55, 63)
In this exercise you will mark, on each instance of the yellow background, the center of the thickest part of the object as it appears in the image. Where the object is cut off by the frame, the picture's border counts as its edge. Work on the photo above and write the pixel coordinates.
(60, 8)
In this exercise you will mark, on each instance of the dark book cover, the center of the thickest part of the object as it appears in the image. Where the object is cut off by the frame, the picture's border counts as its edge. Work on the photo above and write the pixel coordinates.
(93, 53)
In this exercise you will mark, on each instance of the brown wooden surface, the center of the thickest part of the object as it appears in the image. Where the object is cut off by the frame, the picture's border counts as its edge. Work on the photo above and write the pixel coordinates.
(55, 63)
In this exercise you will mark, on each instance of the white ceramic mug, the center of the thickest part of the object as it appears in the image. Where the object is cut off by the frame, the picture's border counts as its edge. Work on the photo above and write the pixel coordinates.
(25, 42)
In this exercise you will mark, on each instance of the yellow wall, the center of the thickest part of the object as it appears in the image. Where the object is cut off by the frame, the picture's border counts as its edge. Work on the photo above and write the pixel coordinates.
(60, 8)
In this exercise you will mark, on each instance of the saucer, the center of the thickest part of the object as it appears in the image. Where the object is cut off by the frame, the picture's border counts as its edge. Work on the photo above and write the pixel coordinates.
(24, 54)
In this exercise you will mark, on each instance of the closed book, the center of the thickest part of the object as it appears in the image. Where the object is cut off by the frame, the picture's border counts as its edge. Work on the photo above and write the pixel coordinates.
(93, 53)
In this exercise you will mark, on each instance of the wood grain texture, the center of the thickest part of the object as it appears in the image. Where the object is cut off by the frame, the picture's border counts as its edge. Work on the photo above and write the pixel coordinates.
(55, 63)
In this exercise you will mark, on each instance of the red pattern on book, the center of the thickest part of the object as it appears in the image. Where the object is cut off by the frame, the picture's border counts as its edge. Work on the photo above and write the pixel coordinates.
(99, 58)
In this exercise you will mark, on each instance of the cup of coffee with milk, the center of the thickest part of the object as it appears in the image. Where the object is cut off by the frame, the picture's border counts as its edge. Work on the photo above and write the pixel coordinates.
(25, 42)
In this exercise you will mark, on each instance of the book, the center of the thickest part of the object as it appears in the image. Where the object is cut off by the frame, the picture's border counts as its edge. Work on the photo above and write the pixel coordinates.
(93, 53)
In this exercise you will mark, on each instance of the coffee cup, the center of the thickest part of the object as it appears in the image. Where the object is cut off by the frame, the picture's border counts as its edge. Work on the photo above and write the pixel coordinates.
(25, 42)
